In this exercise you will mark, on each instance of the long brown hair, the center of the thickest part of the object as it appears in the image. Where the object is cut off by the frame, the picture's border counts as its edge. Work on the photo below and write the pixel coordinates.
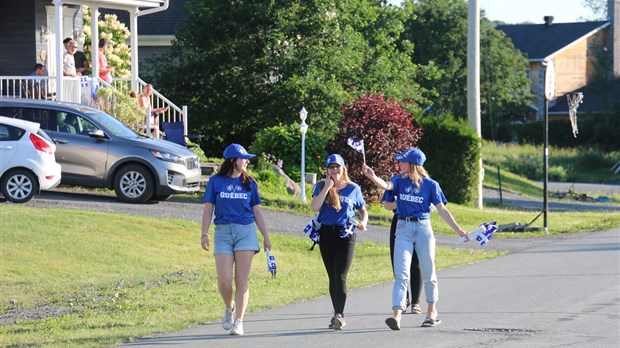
(416, 173)
(332, 198)
(228, 168)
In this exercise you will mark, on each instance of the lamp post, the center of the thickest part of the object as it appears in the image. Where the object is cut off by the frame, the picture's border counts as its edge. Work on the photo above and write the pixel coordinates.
(303, 128)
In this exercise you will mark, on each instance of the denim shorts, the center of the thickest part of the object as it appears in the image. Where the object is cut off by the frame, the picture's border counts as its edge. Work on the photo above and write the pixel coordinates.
(229, 238)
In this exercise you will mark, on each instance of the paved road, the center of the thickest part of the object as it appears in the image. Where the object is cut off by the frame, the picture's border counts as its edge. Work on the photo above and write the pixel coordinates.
(563, 293)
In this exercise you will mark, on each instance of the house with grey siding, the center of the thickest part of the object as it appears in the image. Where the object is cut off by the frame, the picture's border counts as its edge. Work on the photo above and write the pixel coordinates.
(32, 31)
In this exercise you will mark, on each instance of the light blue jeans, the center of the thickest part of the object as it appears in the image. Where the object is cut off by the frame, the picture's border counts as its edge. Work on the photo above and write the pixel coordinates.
(412, 235)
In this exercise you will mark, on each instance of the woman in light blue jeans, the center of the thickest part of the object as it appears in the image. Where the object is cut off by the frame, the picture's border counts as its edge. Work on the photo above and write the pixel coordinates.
(415, 191)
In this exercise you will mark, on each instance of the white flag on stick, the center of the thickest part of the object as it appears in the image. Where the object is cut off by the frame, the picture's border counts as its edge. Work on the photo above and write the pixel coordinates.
(357, 146)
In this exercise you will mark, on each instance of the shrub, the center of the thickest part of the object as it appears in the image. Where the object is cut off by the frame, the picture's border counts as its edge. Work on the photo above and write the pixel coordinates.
(284, 142)
(557, 173)
(121, 106)
(452, 150)
(385, 127)
(599, 130)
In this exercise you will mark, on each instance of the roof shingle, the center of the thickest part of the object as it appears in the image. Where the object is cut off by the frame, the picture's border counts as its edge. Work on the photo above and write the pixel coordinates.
(538, 41)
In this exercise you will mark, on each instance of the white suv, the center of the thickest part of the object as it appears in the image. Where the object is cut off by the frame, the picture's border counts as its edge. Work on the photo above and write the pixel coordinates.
(27, 160)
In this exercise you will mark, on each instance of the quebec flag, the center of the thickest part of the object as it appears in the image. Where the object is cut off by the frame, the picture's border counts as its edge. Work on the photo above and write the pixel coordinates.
(482, 234)
(357, 145)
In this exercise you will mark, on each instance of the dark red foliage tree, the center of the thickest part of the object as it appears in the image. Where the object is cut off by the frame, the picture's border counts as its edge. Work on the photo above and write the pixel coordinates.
(385, 127)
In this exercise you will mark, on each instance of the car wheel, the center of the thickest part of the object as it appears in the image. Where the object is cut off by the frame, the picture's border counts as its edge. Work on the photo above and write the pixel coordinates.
(134, 184)
(19, 186)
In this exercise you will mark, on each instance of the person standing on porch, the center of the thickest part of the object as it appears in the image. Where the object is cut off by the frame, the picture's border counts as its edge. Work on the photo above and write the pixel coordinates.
(105, 71)
(68, 66)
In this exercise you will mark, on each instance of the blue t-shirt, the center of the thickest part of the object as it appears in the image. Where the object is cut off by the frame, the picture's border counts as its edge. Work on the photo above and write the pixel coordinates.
(412, 201)
(388, 196)
(350, 198)
(233, 204)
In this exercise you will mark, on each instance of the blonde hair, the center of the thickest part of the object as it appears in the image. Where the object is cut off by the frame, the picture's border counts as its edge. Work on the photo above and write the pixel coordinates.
(416, 173)
(332, 198)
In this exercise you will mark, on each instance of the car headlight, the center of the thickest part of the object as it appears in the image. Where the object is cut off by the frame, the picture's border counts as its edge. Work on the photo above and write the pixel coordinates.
(165, 156)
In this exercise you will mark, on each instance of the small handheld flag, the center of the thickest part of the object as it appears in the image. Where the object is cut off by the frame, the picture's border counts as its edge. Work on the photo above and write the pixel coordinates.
(357, 146)
(482, 234)
(313, 230)
(271, 263)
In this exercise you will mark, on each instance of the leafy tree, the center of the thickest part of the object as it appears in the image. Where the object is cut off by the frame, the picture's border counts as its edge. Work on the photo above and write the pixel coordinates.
(284, 143)
(118, 54)
(243, 66)
(438, 31)
(385, 127)
(598, 8)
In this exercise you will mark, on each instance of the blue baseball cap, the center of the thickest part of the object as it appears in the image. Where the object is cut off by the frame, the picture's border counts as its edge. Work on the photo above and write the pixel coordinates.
(335, 158)
(236, 151)
(412, 155)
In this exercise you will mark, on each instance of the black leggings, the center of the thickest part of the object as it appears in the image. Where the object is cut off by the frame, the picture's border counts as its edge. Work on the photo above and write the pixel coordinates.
(337, 254)
(416, 275)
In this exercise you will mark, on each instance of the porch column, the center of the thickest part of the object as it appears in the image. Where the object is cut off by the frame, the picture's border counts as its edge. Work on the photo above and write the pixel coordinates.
(133, 30)
(94, 30)
(59, 48)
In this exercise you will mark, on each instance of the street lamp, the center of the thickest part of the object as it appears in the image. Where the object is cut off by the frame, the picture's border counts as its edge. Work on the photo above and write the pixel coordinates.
(303, 128)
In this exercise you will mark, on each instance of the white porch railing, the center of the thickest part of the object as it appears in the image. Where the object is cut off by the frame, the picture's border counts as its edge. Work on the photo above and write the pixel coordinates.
(173, 112)
(75, 89)
(24, 87)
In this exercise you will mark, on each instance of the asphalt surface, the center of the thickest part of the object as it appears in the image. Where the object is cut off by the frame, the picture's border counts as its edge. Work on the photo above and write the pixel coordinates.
(561, 293)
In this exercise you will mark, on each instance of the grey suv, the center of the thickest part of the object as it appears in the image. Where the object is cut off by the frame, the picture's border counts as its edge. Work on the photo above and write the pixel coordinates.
(95, 149)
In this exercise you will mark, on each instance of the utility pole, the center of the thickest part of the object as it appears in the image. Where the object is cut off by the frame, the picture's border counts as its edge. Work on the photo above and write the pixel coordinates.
(473, 79)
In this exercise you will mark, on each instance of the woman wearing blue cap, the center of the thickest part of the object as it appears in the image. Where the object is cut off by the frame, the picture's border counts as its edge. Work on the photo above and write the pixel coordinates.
(233, 196)
(336, 198)
(415, 191)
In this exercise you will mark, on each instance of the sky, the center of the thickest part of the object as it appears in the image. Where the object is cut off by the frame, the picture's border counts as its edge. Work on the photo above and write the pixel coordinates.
(519, 11)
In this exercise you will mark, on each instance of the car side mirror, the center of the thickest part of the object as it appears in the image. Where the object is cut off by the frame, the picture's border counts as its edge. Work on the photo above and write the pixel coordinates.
(97, 133)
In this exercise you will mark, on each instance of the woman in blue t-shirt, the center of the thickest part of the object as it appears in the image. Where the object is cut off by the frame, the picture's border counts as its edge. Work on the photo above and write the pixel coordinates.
(415, 275)
(336, 198)
(233, 196)
(415, 191)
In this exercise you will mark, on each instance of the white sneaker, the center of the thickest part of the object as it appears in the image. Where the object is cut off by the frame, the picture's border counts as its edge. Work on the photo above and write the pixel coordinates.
(237, 328)
(229, 317)
(338, 322)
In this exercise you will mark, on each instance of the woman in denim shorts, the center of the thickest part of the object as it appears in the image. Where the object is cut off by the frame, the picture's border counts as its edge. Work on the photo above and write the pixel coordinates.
(336, 199)
(415, 191)
(232, 195)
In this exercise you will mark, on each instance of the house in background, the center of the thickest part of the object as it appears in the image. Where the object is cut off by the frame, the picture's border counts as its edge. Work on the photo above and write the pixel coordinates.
(573, 52)
(569, 50)
(32, 31)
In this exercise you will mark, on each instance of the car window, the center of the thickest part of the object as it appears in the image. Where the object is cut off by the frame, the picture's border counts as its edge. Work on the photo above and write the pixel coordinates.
(113, 125)
(44, 117)
(10, 133)
(69, 122)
